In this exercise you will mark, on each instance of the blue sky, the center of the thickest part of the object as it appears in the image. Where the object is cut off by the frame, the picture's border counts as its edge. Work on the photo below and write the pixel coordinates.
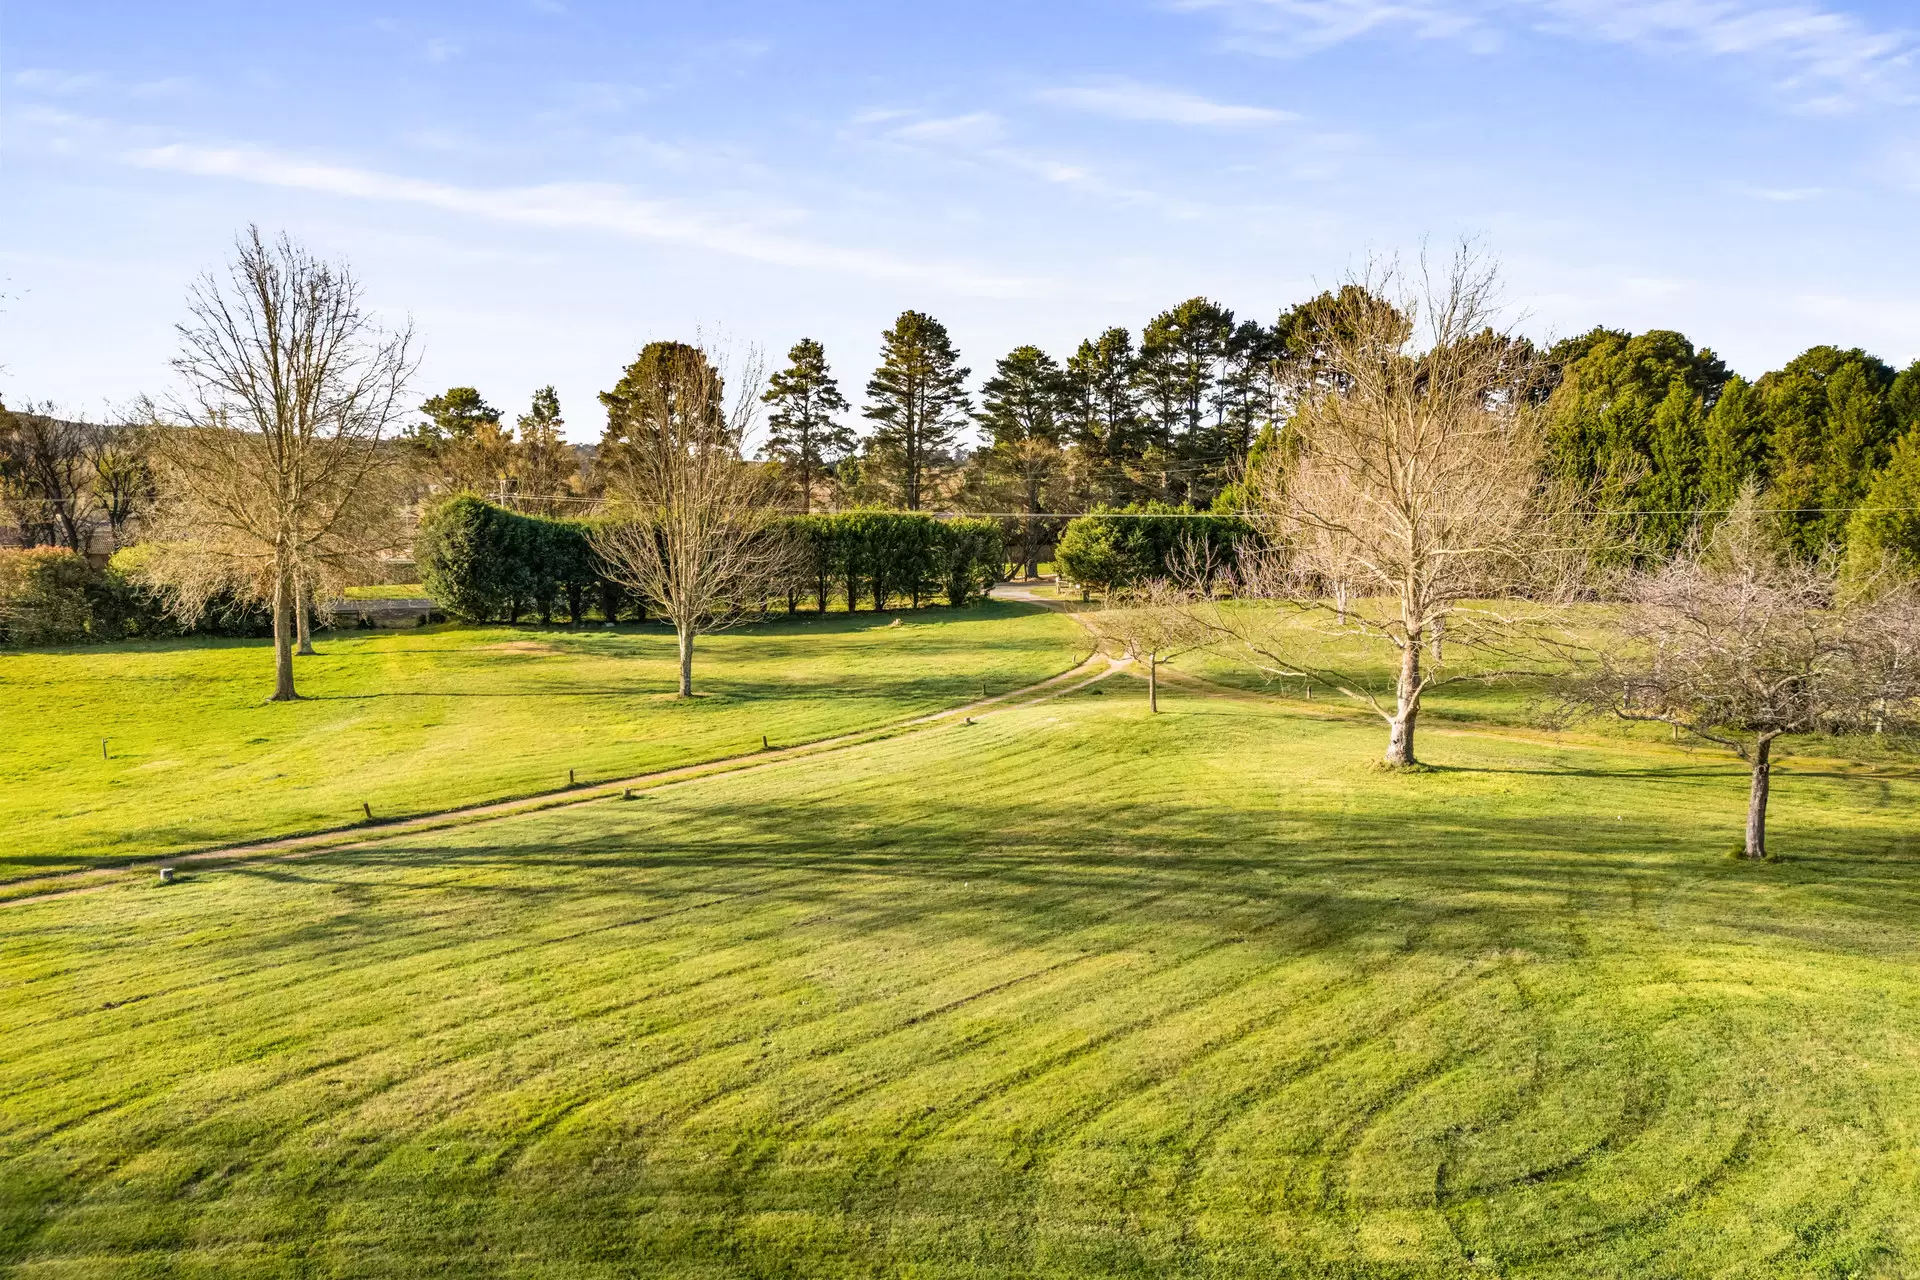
(543, 185)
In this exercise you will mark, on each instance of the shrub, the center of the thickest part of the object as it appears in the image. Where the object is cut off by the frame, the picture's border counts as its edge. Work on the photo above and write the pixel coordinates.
(1119, 548)
(45, 596)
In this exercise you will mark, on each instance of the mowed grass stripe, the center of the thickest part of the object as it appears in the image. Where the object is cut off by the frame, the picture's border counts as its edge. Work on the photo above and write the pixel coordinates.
(437, 719)
(1066, 992)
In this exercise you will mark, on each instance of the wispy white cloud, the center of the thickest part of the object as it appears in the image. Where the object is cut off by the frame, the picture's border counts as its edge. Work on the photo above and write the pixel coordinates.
(1123, 99)
(48, 80)
(976, 128)
(581, 206)
(982, 138)
(1783, 195)
(1821, 58)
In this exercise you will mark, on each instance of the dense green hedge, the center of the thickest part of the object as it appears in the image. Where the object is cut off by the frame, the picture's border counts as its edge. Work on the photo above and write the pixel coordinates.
(481, 562)
(1117, 547)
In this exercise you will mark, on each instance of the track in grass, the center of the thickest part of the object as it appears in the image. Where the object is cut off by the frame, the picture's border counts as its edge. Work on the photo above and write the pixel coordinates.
(120, 752)
(1073, 991)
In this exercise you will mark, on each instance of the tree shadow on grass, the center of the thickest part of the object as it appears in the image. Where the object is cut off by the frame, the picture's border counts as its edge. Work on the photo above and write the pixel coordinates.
(1471, 885)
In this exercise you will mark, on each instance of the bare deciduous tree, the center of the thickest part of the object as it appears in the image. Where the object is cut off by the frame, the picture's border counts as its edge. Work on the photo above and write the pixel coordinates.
(1738, 644)
(46, 476)
(1155, 623)
(269, 475)
(1407, 491)
(693, 525)
(122, 475)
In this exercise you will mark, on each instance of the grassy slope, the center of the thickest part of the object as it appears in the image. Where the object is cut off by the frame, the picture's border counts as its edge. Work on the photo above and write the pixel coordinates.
(416, 721)
(1069, 992)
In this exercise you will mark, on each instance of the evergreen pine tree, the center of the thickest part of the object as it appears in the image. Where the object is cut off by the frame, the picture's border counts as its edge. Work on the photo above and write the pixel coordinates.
(1735, 445)
(917, 400)
(1023, 410)
(1180, 353)
(1105, 413)
(806, 434)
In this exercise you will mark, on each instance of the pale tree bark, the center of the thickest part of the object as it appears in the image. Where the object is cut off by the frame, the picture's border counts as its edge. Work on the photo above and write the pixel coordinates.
(1407, 487)
(283, 627)
(302, 613)
(1758, 788)
(268, 465)
(1406, 706)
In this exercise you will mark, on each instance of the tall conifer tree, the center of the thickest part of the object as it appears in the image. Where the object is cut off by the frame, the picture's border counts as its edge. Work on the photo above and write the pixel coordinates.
(806, 433)
(1023, 410)
(1105, 412)
(917, 400)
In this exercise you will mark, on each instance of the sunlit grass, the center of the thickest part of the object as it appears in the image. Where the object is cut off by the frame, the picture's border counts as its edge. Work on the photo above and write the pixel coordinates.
(1072, 991)
(425, 720)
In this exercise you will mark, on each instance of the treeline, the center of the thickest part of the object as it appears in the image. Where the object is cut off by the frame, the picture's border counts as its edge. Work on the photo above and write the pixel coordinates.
(64, 483)
(482, 562)
(1659, 435)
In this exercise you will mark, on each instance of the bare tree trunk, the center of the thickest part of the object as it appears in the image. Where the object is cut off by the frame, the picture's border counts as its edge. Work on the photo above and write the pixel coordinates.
(1757, 797)
(302, 619)
(1153, 683)
(1439, 632)
(686, 661)
(1406, 711)
(283, 626)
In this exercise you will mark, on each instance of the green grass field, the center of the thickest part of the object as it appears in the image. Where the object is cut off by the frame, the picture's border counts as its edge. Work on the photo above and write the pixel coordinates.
(1072, 991)
(424, 720)
(388, 591)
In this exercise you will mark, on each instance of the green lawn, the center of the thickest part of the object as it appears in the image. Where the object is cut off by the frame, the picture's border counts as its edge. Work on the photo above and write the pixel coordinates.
(423, 720)
(1072, 991)
(388, 591)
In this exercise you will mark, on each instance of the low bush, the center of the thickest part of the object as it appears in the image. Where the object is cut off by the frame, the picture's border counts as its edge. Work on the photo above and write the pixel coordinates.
(45, 596)
(1118, 547)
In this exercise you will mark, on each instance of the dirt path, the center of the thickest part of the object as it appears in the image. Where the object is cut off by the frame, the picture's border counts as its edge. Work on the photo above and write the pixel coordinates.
(1092, 669)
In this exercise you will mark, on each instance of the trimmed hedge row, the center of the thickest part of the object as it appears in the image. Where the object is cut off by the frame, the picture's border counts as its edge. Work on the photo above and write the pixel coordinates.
(1121, 546)
(482, 562)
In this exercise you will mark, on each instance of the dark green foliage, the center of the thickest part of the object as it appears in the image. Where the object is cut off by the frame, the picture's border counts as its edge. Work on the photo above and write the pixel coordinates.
(873, 558)
(1025, 410)
(454, 415)
(1103, 413)
(917, 399)
(804, 433)
(1830, 426)
(1659, 438)
(645, 403)
(481, 563)
(44, 596)
(1117, 548)
(1887, 526)
(484, 563)
(1627, 428)
(972, 553)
